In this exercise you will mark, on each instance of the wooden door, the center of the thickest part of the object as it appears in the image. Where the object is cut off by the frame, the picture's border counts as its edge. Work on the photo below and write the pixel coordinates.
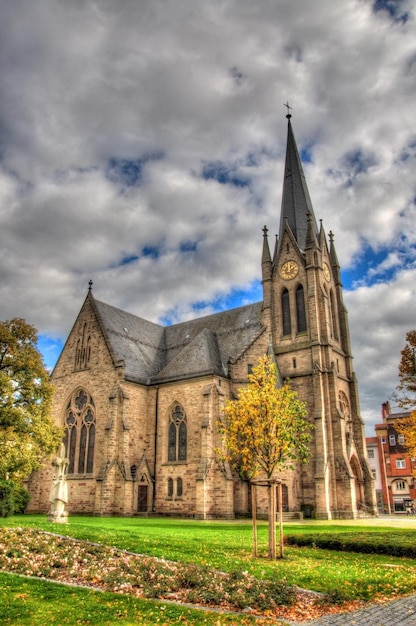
(142, 499)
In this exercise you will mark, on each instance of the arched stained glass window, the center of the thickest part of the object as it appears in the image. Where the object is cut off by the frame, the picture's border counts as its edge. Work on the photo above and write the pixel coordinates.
(79, 439)
(177, 435)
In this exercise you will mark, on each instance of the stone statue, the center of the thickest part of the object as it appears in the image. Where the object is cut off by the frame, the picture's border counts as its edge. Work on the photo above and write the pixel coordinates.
(58, 496)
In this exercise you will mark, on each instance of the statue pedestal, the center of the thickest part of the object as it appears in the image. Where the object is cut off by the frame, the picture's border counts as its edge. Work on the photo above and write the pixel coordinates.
(58, 517)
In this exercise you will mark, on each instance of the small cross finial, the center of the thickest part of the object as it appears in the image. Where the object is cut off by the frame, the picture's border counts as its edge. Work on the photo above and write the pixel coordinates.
(289, 108)
(90, 285)
(265, 231)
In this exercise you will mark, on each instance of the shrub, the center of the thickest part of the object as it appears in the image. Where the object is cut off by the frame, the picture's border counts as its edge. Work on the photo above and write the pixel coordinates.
(371, 544)
(13, 498)
(6, 498)
(21, 499)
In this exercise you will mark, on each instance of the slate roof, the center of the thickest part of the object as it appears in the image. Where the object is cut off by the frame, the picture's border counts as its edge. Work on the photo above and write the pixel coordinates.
(296, 202)
(153, 353)
(134, 340)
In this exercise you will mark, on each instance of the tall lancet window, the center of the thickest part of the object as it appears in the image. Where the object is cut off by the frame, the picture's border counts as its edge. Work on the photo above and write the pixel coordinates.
(177, 435)
(79, 436)
(286, 321)
(83, 350)
(333, 316)
(300, 309)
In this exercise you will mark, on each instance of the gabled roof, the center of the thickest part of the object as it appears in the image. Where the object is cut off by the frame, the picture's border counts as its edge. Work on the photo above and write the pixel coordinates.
(200, 356)
(134, 340)
(296, 202)
(153, 353)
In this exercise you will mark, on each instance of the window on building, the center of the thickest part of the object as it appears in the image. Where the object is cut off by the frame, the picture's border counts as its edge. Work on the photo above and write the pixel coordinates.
(287, 322)
(83, 350)
(177, 435)
(179, 487)
(400, 439)
(333, 316)
(79, 436)
(249, 368)
(170, 487)
(370, 453)
(401, 463)
(300, 309)
(392, 440)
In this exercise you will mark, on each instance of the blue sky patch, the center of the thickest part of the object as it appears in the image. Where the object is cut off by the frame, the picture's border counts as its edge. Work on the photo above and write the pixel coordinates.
(232, 300)
(239, 297)
(372, 266)
(188, 246)
(151, 251)
(358, 162)
(224, 173)
(395, 8)
(50, 350)
(129, 172)
(408, 152)
(131, 258)
(306, 155)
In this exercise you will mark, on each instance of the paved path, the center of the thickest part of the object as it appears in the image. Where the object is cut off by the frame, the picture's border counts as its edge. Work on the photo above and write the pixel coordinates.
(402, 611)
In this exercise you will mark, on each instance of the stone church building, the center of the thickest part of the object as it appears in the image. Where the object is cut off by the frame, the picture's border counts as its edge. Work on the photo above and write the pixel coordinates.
(140, 402)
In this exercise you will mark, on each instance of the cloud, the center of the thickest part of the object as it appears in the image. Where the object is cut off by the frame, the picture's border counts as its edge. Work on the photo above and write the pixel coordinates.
(142, 146)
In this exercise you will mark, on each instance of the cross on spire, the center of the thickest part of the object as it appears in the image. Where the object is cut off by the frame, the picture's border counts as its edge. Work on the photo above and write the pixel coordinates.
(289, 108)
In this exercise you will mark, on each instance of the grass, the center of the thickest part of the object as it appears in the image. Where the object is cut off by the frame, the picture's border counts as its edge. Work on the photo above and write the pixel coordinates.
(225, 546)
(37, 602)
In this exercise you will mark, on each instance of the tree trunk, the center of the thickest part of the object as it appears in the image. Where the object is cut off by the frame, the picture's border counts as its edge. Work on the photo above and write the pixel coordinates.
(280, 507)
(272, 520)
(254, 517)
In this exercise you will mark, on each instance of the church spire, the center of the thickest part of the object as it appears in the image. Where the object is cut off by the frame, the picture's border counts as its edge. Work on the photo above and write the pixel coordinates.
(296, 203)
(266, 268)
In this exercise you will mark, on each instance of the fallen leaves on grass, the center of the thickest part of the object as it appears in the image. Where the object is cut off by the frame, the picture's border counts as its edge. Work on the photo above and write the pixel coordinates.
(55, 557)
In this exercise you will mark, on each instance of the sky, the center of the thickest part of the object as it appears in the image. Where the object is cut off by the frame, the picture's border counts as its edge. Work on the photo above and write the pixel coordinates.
(142, 146)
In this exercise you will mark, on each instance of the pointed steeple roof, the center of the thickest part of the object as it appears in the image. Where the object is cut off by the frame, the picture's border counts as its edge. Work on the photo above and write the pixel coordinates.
(266, 259)
(296, 203)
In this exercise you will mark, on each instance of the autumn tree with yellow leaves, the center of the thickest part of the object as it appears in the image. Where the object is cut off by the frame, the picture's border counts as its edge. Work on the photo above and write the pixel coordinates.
(28, 433)
(265, 431)
(407, 389)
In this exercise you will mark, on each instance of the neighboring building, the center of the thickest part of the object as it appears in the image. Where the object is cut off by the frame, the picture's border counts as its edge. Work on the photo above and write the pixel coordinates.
(140, 402)
(396, 468)
(375, 466)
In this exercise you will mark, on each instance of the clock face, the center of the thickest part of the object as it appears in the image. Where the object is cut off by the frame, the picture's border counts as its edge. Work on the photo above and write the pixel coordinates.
(326, 271)
(289, 270)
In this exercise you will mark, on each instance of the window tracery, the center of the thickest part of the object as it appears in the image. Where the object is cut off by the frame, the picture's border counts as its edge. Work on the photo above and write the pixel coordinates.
(177, 435)
(79, 439)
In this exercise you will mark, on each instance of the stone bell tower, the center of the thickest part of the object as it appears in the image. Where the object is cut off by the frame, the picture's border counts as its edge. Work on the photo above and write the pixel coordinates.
(304, 310)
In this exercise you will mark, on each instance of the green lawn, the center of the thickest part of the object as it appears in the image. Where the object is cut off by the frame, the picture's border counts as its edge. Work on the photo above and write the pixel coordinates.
(39, 603)
(225, 546)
